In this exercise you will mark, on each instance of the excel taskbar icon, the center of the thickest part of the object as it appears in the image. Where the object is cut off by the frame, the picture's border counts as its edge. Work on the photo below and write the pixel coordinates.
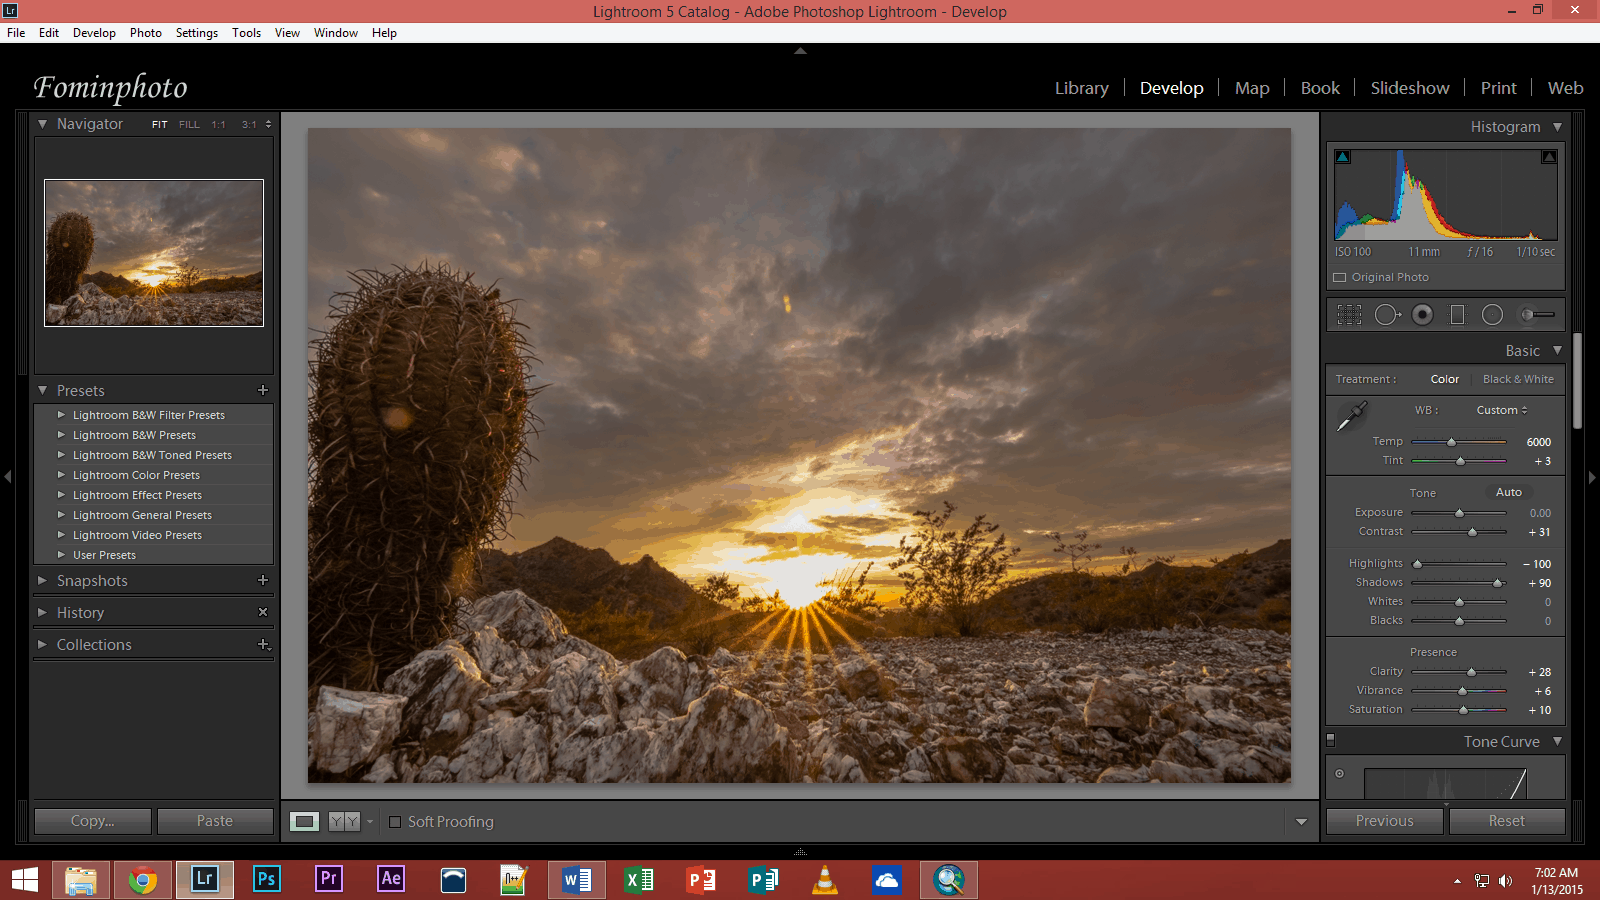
(638, 880)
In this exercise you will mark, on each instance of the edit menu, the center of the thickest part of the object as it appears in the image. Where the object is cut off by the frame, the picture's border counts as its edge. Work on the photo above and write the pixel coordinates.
(151, 560)
(1452, 349)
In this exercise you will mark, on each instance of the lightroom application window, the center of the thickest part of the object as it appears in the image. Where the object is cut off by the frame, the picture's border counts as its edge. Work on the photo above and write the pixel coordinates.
(884, 479)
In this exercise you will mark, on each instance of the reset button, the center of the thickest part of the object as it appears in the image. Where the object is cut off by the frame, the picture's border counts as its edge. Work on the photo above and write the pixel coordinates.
(1508, 821)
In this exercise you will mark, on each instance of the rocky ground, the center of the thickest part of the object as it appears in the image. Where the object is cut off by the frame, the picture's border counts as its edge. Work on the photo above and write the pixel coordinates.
(93, 306)
(514, 698)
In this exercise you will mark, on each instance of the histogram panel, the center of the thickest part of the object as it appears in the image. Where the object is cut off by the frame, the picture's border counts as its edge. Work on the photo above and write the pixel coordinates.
(1433, 195)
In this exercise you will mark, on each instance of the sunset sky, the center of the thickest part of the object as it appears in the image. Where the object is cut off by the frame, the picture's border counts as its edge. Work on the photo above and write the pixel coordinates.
(764, 349)
(143, 230)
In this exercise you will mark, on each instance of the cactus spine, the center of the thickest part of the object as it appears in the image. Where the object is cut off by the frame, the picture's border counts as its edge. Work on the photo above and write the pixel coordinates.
(418, 419)
(68, 247)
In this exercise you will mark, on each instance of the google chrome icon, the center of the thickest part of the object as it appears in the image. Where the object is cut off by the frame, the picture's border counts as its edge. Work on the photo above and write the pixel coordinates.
(142, 879)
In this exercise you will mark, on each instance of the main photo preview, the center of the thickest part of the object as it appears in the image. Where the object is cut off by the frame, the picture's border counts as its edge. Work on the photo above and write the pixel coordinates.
(832, 455)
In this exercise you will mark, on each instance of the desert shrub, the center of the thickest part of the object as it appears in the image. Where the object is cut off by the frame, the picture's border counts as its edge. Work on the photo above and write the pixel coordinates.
(1277, 582)
(1274, 614)
(699, 627)
(953, 573)
(624, 635)
(848, 593)
(719, 589)
(1079, 553)
(1155, 597)
(758, 602)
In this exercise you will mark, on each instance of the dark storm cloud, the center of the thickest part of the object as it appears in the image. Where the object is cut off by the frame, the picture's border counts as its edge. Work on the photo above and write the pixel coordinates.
(151, 226)
(1061, 328)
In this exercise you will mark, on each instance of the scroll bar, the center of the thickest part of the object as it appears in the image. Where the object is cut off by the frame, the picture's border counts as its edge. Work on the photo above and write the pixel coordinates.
(1577, 380)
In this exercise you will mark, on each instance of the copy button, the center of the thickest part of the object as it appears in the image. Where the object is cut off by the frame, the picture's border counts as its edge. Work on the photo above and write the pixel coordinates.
(85, 820)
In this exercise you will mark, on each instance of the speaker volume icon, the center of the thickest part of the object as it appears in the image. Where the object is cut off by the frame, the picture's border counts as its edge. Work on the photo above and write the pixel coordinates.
(1505, 881)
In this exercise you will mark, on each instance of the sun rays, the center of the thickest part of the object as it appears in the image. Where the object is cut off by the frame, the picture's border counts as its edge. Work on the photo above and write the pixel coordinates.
(814, 628)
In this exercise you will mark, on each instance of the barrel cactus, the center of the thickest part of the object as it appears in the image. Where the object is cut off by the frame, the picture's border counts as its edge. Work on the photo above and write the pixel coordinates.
(418, 429)
(68, 246)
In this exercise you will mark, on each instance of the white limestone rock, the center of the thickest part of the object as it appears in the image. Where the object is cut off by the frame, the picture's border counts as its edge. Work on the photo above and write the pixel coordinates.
(350, 729)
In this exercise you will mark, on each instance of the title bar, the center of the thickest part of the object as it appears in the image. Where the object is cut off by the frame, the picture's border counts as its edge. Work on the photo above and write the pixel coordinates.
(350, 20)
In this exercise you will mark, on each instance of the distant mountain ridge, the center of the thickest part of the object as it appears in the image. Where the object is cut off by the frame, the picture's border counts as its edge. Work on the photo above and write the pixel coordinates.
(107, 281)
(569, 577)
(118, 286)
(1256, 578)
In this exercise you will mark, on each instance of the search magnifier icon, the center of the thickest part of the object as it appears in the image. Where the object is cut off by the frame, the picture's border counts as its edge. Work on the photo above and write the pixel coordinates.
(948, 879)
